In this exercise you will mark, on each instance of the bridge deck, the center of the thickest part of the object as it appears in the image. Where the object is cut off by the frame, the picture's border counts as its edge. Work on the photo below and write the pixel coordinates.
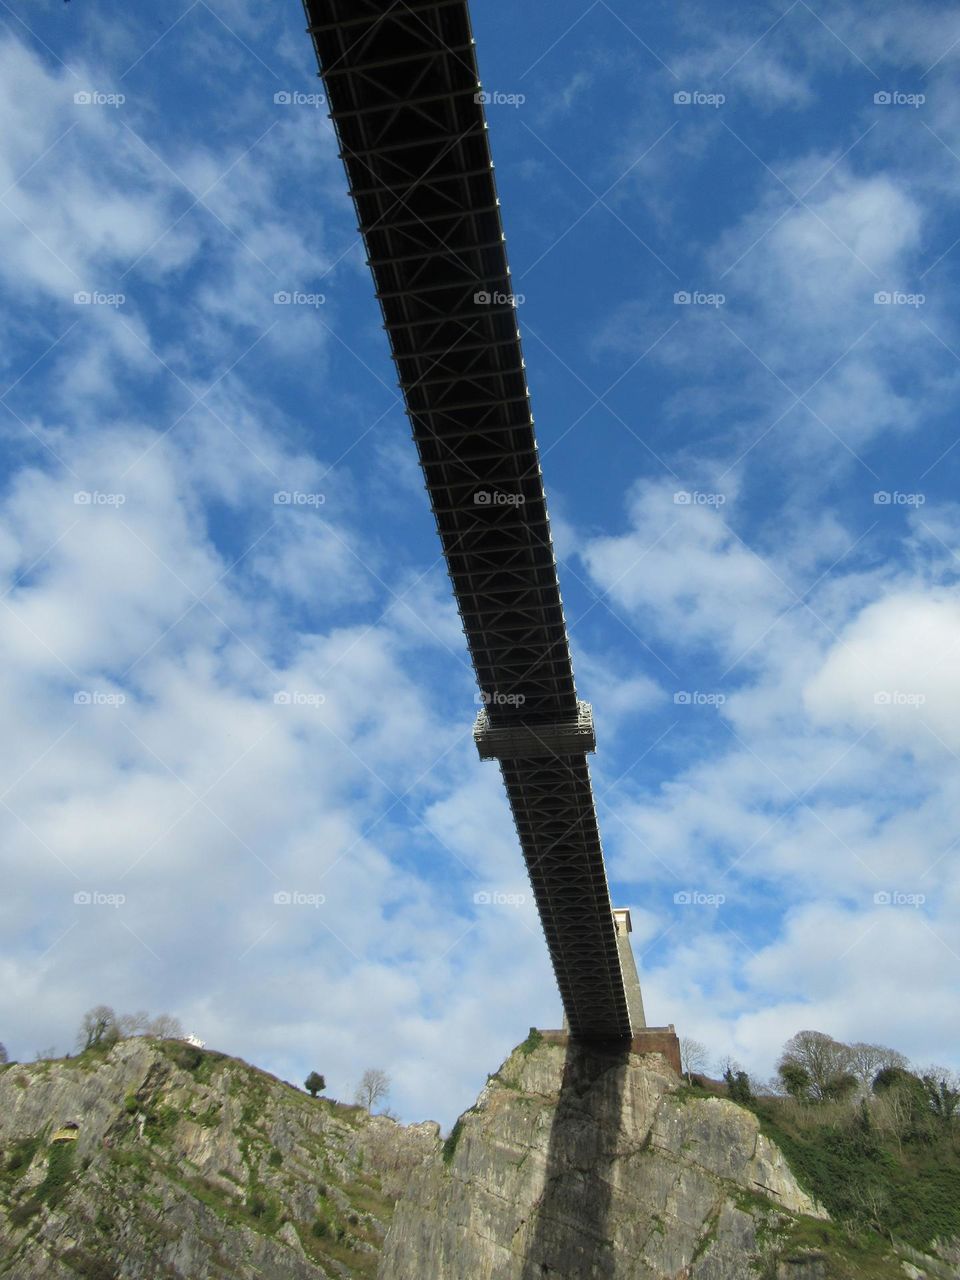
(402, 83)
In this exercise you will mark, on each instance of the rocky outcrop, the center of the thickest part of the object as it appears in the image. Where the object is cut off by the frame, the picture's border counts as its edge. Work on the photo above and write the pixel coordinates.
(582, 1164)
(191, 1164)
(573, 1165)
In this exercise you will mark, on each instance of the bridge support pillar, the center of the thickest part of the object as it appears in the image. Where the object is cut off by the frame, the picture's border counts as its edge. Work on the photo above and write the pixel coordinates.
(631, 979)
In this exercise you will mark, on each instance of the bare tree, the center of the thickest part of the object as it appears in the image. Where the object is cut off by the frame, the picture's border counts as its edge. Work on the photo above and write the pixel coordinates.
(693, 1056)
(3, 1054)
(165, 1027)
(865, 1060)
(98, 1028)
(725, 1064)
(824, 1059)
(374, 1085)
(132, 1024)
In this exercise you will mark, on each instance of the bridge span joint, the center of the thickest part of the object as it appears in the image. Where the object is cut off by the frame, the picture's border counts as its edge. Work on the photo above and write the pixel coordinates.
(574, 735)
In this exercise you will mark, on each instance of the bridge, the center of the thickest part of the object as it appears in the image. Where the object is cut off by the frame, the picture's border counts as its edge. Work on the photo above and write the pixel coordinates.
(404, 93)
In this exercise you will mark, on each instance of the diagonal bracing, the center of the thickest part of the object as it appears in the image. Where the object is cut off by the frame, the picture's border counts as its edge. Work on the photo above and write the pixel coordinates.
(402, 84)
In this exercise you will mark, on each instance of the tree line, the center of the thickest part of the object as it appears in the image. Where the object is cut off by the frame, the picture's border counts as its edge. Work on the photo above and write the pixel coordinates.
(101, 1028)
(815, 1069)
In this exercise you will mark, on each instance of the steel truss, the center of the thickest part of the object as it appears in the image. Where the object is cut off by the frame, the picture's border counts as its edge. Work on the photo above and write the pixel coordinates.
(402, 83)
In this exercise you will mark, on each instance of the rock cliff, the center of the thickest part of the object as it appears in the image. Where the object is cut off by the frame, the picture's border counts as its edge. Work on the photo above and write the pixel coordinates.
(581, 1165)
(574, 1164)
(191, 1164)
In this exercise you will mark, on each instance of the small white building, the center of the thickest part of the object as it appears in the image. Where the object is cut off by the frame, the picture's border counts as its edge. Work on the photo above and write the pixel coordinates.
(195, 1041)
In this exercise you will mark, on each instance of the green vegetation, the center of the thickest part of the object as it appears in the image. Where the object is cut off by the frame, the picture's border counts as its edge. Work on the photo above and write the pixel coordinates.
(61, 1172)
(533, 1041)
(880, 1167)
(21, 1156)
(201, 1063)
(454, 1136)
(89, 1265)
(314, 1083)
(450, 1142)
(209, 1118)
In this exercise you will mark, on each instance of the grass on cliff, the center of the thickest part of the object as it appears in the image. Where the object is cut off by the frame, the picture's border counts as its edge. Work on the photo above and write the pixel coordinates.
(904, 1187)
(883, 1180)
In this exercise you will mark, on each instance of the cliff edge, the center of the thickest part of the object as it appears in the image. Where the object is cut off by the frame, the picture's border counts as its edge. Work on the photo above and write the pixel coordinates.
(577, 1164)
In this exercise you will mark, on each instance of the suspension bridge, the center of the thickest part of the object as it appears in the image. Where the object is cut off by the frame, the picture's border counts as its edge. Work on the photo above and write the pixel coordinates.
(405, 98)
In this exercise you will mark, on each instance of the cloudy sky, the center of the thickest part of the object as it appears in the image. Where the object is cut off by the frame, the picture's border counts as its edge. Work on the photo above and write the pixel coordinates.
(735, 236)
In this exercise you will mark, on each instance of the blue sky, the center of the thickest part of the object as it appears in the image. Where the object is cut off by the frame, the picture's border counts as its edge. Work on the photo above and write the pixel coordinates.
(212, 697)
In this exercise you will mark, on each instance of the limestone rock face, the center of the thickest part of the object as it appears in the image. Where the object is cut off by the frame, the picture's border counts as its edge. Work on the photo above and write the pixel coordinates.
(586, 1165)
(191, 1164)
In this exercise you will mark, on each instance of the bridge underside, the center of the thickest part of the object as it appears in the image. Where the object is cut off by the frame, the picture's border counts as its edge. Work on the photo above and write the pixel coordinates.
(402, 83)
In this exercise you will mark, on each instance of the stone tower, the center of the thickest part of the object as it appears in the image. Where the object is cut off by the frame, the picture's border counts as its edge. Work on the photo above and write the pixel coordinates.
(631, 979)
